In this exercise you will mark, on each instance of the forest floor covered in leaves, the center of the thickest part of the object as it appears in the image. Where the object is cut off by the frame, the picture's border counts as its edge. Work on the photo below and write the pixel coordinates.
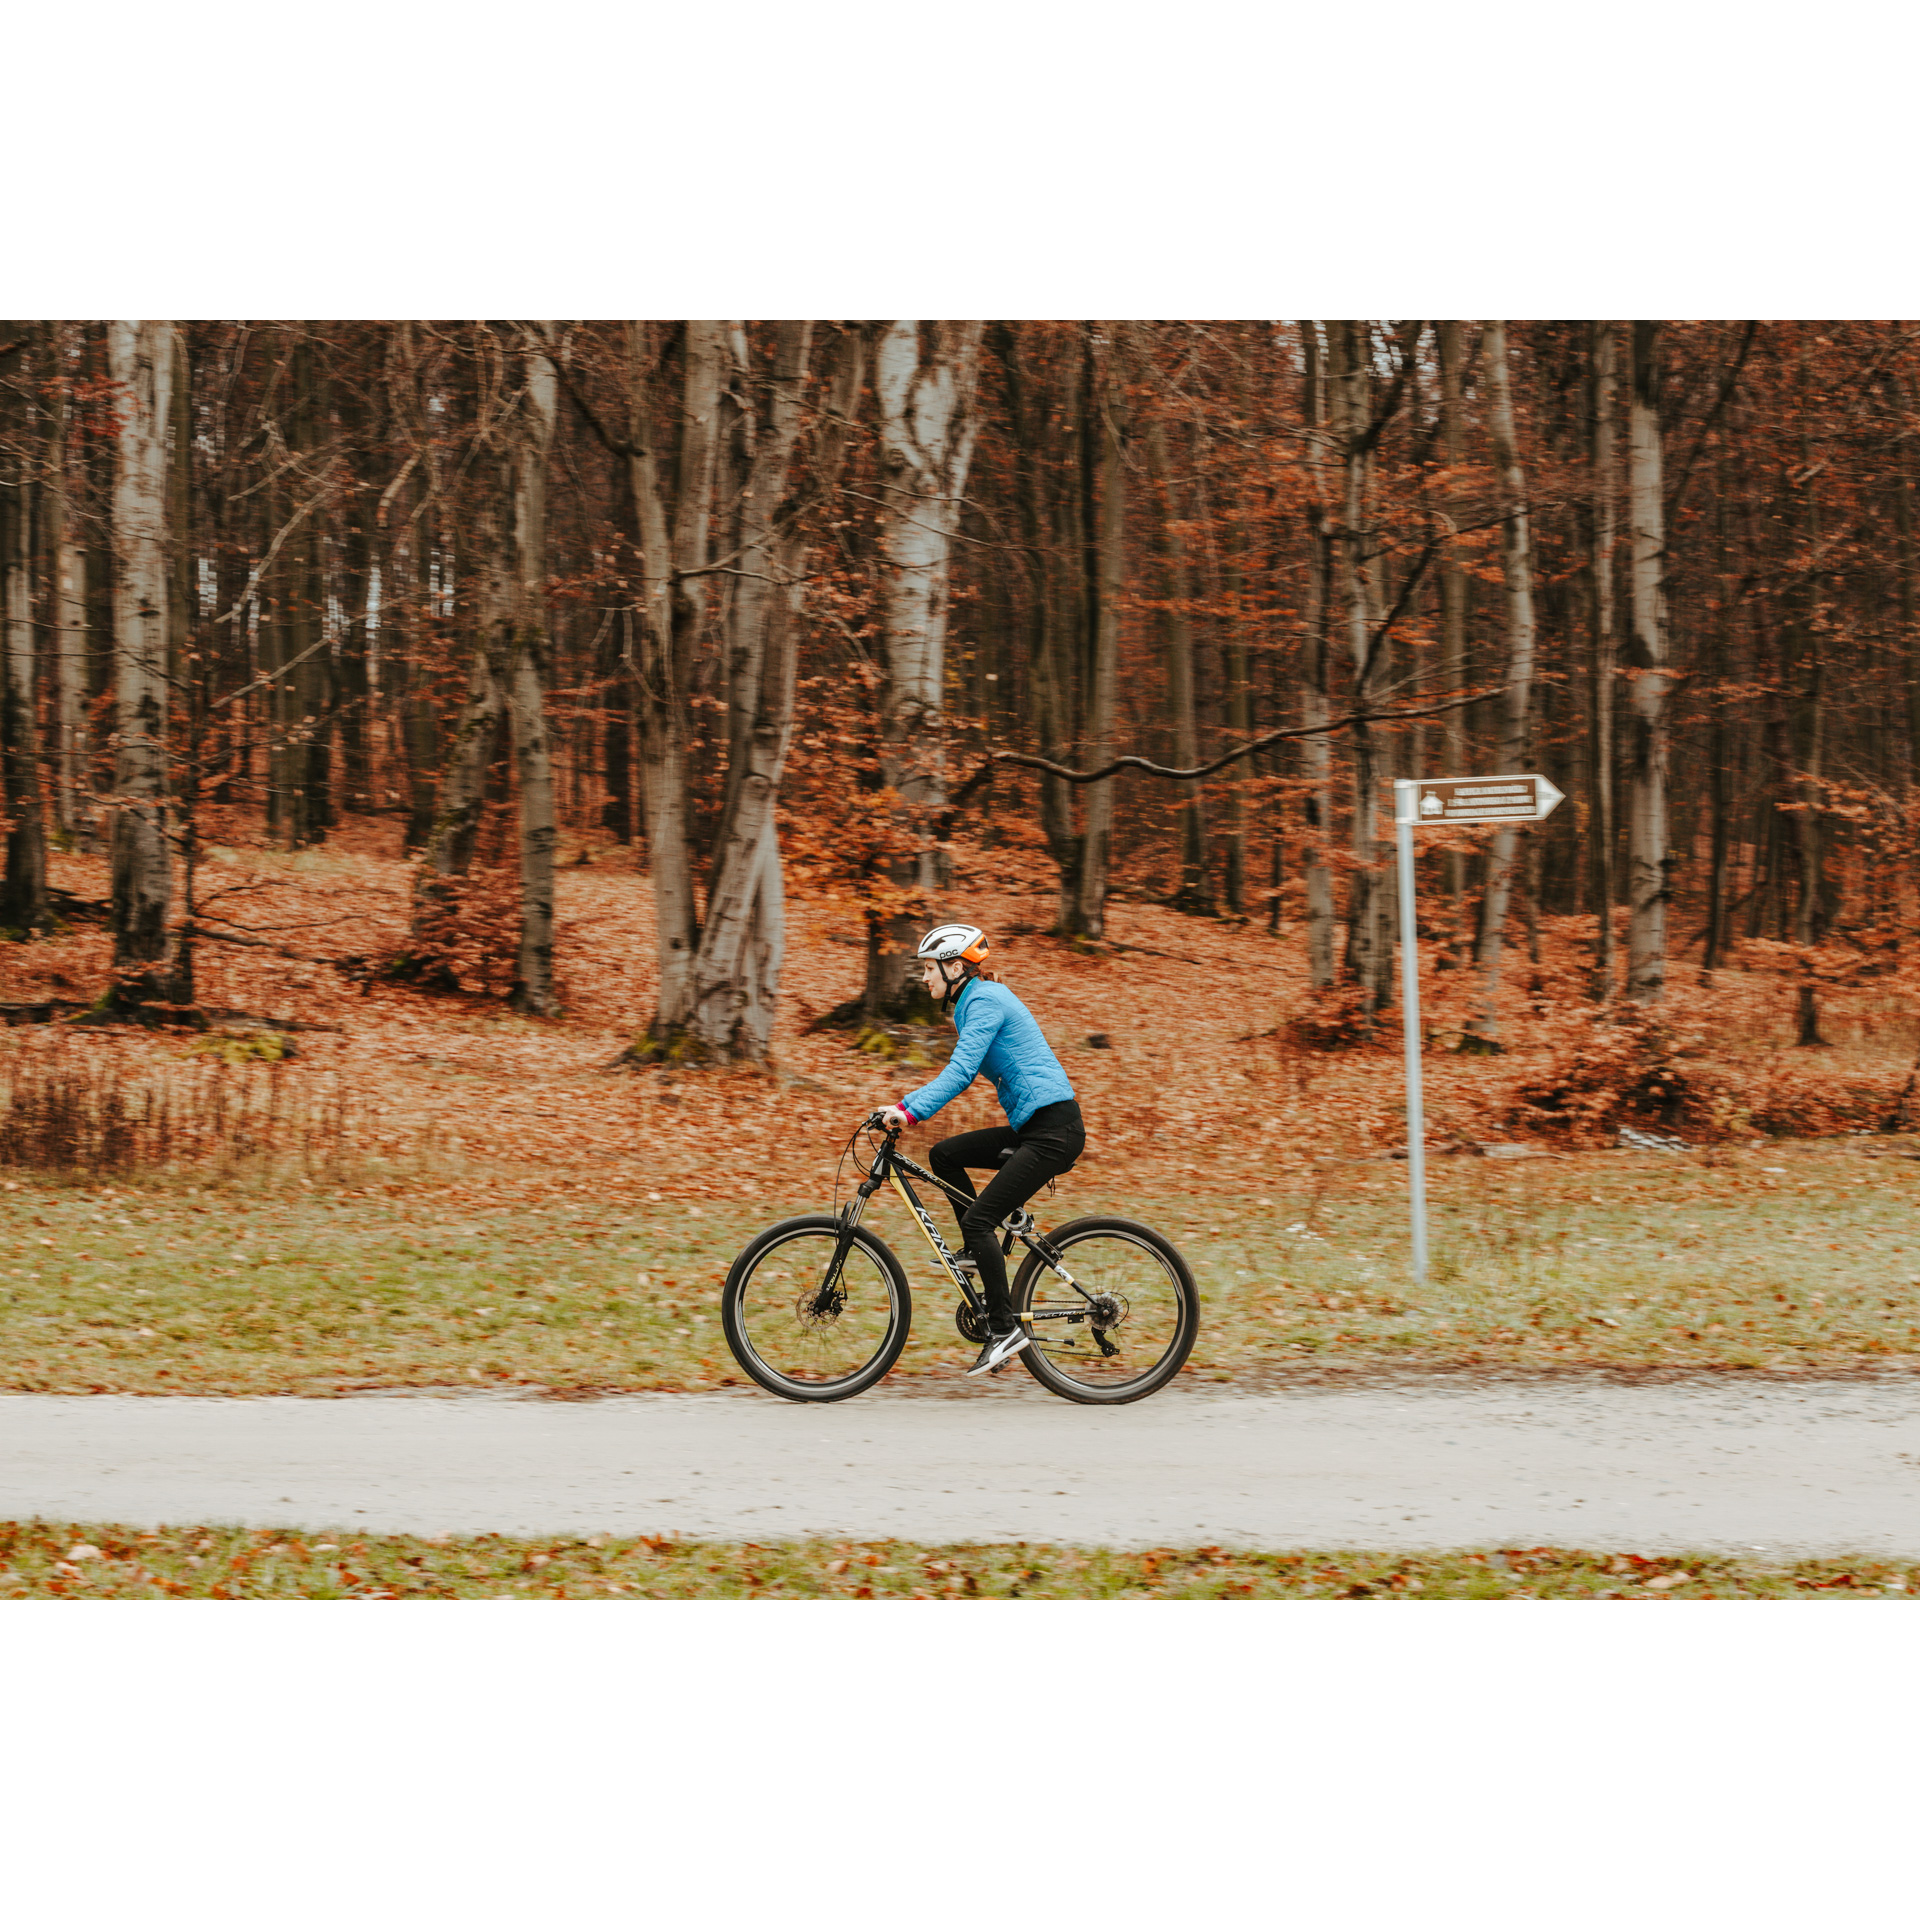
(456, 1195)
(42, 1561)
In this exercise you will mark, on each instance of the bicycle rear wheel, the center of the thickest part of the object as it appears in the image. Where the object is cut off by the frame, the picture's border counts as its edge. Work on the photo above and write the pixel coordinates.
(1134, 1333)
(800, 1339)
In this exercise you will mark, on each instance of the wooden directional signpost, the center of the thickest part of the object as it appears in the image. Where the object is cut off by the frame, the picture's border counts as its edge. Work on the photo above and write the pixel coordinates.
(1500, 799)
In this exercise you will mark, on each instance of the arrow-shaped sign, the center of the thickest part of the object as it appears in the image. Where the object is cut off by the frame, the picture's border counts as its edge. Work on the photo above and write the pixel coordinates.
(1496, 797)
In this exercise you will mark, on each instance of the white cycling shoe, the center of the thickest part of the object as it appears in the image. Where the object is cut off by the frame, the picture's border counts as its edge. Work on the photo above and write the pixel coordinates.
(1000, 1348)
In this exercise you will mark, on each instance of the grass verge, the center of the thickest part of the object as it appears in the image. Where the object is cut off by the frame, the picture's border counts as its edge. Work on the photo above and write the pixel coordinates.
(40, 1561)
(1785, 1256)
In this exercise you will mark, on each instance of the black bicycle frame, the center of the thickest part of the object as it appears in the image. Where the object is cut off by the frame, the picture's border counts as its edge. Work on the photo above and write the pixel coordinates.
(892, 1168)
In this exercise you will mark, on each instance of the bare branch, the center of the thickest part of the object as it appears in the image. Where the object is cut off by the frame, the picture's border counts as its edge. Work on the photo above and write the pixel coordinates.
(267, 679)
(267, 559)
(1360, 717)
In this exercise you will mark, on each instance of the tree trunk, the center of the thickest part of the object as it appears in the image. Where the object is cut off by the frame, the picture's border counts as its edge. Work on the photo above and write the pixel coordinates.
(1096, 854)
(314, 676)
(1809, 725)
(1194, 894)
(616, 741)
(1516, 567)
(1606, 641)
(1239, 685)
(23, 890)
(673, 549)
(455, 832)
(1073, 589)
(1369, 958)
(141, 359)
(297, 753)
(187, 685)
(1719, 746)
(1316, 749)
(927, 426)
(364, 553)
(743, 941)
(420, 717)
(67, 609)
(526, 650)
(1453, 627)
(1239, 728)
(1647, 848)
(766, 449)
(1904, 583)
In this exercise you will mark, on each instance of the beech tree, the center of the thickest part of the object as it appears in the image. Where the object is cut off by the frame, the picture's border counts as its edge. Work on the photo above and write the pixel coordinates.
(1605, 336)
(1516, 705)
(66, 596)
(719, 972)
(743, 940)
(1453, 612)
(672, 506)
(1316, 750)
(142, 356)
(1650, 683)
(924, 376)
(521, 654)
(1089, 919)
(23, 890)
(1357, 422)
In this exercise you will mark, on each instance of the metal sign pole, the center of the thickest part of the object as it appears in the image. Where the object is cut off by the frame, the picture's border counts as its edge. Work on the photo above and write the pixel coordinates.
(1406, 797)
(1482, 800)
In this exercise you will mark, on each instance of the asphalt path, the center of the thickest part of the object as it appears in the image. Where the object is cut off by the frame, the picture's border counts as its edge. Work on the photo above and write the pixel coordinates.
(1750, 1466)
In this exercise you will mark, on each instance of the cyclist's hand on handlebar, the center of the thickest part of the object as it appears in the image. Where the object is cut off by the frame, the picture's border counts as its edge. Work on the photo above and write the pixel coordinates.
(894, 1116)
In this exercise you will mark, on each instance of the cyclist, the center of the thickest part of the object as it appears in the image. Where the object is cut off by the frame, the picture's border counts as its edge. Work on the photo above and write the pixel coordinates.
(1000, 1038)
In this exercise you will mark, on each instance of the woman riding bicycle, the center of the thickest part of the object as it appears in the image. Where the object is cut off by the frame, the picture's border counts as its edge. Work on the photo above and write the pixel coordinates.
(1000, 1038)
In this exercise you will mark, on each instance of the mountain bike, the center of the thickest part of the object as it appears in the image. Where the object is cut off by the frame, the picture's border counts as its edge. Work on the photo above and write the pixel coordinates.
(819, 1307)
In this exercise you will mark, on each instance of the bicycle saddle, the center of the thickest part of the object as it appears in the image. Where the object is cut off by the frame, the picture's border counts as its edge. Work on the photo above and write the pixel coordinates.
(1007, 1153)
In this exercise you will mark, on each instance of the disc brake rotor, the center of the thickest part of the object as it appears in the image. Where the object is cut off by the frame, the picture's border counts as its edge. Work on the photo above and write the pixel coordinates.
(808, 1311)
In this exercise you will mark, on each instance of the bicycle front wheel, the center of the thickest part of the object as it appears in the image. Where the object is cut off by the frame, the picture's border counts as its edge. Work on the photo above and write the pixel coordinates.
(1128, 1326)
(802, 1338)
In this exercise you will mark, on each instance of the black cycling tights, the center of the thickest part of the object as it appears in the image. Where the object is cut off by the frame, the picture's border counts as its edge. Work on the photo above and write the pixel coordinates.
(1051, 1141)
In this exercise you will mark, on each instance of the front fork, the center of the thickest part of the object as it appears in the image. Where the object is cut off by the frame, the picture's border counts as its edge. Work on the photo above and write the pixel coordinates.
(824, 1300)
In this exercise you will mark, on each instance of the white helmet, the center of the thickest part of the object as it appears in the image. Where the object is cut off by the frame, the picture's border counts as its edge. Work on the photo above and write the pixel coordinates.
(954, 948)
(954, 941)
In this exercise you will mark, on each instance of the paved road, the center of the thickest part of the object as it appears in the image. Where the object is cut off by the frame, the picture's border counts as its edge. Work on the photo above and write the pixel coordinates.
(1773, 1466)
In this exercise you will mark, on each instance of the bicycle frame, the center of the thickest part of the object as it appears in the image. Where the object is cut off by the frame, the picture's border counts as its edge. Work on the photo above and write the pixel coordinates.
(892, 1168)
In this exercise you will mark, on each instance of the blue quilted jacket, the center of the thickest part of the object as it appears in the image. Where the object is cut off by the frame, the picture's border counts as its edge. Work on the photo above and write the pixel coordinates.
(1000, 1038)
